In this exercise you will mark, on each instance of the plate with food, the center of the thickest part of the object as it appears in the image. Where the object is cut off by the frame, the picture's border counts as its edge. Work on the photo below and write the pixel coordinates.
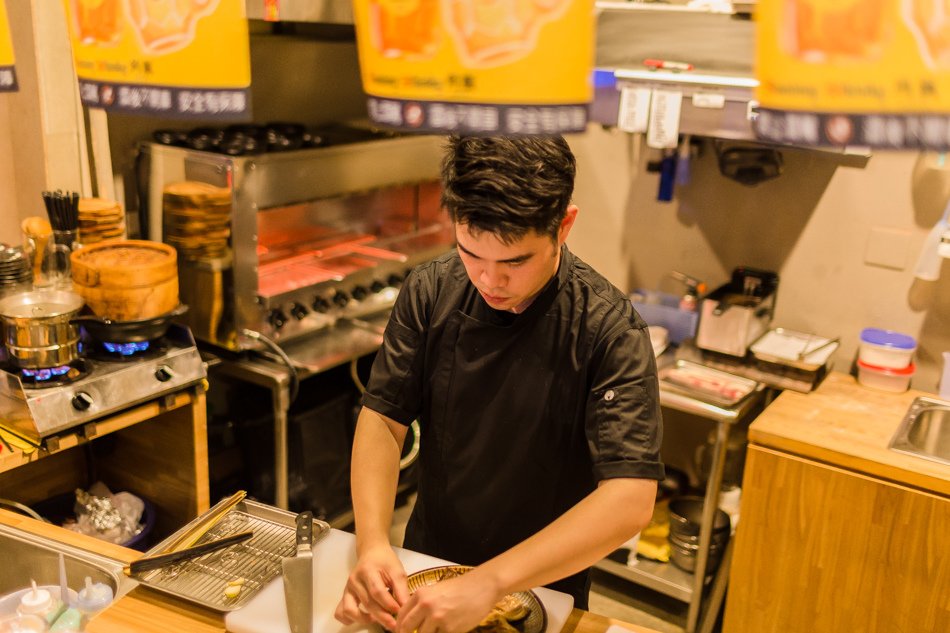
(518, 612)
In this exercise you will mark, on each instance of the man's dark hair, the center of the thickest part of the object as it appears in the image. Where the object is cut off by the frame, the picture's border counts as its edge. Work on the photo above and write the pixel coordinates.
(508, 186)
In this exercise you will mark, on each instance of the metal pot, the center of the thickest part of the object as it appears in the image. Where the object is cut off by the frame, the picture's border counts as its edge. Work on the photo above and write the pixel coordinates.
(38, 331)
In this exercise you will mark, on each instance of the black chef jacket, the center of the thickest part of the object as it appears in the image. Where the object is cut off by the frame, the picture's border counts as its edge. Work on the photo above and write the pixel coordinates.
(521, 415)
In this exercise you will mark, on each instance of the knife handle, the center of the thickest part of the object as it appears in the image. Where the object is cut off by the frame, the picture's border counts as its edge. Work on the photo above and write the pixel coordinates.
(305, 530)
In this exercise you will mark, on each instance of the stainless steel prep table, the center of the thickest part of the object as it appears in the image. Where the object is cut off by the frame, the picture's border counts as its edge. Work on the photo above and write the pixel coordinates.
(665, 577)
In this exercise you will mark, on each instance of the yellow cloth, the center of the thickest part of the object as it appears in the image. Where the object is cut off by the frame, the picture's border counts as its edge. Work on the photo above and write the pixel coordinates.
(16, 441)
(654, 540)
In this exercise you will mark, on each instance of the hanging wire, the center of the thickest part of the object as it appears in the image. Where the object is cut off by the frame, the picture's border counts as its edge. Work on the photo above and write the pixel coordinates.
(274, 347)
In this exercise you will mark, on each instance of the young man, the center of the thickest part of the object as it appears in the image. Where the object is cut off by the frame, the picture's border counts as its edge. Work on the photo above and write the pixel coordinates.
(535, 386)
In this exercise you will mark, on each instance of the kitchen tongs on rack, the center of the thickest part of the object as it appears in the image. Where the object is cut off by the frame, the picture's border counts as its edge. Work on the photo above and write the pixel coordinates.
(184, 548)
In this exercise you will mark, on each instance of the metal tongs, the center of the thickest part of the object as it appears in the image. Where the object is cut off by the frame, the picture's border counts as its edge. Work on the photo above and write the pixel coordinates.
(147, 563)
(184, 546)
(807, 352)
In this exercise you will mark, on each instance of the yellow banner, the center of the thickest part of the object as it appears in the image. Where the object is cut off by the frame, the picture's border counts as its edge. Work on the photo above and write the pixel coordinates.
(7, 71)
(174, 58)
(483, 66)
(867, 72)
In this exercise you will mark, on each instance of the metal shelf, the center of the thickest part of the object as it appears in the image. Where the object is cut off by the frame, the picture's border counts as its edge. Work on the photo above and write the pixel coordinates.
(665, 578)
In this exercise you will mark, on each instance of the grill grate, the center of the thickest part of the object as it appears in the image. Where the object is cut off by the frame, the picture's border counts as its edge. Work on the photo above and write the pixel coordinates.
(254, 562)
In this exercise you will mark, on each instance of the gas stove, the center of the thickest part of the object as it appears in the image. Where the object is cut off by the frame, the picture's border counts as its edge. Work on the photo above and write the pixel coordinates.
(106, 379)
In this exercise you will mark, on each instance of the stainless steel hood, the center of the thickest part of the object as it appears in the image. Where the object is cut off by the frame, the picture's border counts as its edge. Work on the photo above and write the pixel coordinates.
(323, 11)
(717, 91)
(719, 46)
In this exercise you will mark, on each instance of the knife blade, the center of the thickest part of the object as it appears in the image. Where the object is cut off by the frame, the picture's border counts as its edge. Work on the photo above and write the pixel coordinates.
(298, 577)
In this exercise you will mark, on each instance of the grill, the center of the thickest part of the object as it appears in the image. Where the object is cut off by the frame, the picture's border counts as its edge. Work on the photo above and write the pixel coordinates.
(289, 244)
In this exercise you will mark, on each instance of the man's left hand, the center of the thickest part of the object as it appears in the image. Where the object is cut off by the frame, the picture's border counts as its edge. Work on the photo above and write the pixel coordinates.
(455, 605)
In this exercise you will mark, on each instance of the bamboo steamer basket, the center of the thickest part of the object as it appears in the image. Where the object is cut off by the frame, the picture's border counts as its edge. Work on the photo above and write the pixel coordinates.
(127, 280)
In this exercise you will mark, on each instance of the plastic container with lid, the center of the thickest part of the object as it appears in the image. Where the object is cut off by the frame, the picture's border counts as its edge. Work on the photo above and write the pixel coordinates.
(886, 348)
(885, 378)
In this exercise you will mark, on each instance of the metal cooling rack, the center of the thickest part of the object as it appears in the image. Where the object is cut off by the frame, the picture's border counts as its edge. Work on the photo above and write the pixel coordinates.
(253, 563)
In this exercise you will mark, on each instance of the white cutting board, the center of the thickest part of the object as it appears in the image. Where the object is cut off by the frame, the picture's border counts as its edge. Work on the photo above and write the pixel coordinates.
(333, 558)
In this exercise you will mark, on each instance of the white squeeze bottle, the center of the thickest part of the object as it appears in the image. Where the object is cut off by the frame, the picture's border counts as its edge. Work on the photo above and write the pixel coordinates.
(94, 597)
(40, 602)
(23, 624)
(945, 378)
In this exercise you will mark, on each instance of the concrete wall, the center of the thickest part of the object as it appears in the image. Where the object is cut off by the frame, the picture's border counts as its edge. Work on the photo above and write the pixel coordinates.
(825, 230)
(293, 79)
(42, 141)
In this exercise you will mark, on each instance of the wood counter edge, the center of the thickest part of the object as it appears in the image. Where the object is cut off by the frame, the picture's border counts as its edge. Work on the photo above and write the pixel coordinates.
(145, 611)
(774, 429)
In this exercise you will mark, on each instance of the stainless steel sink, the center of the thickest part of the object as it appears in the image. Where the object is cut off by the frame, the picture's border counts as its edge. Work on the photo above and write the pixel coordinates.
(925, 430)
(28, 557)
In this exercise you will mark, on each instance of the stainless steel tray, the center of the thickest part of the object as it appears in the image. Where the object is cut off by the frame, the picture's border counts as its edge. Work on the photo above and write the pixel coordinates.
(704, 383)
(782, 346)
(253, 563)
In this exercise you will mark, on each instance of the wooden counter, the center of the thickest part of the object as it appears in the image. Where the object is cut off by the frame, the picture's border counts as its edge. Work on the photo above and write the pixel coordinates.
(146, 611)
(850, 426)
(837, 532)
(157, 450)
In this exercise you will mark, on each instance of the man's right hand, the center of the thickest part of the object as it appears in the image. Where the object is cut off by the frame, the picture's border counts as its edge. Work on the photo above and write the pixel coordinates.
(375, 589)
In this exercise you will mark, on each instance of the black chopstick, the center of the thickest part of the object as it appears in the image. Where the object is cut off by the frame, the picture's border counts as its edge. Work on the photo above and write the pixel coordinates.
(62, 207)
(161, 560)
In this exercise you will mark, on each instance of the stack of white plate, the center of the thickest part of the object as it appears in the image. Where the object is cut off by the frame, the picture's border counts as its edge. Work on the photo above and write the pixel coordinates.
(16, 275)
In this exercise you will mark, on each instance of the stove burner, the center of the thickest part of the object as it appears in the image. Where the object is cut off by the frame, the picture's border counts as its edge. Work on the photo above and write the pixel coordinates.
(126, 349)
(126, 352)
(52, 376)
(42, 375)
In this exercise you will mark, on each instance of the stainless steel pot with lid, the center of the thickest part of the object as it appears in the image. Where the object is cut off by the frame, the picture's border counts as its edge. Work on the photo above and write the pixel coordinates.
(38, 328)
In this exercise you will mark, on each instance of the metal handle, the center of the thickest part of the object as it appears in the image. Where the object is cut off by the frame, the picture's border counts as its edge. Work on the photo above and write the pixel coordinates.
(806, 352)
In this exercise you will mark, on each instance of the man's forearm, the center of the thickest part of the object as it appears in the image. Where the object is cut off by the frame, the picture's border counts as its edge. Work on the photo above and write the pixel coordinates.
(596, 526)
(377, 447)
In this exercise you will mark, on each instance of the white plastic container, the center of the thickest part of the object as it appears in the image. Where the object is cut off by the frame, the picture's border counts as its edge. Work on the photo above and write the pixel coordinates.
(886, 348)
(885, 378)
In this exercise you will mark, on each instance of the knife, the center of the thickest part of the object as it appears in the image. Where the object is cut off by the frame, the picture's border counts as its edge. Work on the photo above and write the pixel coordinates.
(298, 577)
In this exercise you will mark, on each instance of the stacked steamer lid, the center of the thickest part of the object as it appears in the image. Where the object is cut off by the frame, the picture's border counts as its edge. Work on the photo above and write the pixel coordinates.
(197, 219)
(886, 359)
(99, 220)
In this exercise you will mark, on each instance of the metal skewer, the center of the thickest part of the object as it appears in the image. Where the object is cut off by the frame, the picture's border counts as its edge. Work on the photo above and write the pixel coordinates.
(806, 352)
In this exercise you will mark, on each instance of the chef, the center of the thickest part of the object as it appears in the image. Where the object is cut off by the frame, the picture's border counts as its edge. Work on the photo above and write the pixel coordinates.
(534, 383)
